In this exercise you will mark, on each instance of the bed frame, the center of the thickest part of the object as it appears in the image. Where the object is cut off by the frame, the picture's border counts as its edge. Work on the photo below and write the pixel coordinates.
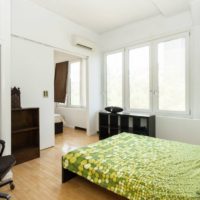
(66, 174)
(58, 127)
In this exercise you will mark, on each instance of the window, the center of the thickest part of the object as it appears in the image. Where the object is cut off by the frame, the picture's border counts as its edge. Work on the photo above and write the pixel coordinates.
(76, 85)
(171, 75)
(77, 91)
(75, 74)
(139, 78)
(154, 77)
(114, 67)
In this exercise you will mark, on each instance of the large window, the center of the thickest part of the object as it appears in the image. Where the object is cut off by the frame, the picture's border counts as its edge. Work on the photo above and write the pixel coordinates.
(171, 75)
(139, 64)
(152, 78)
(76, 84)
(114, 63)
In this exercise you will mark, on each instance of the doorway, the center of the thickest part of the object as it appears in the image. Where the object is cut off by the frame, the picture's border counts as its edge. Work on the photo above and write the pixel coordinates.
(72, 112)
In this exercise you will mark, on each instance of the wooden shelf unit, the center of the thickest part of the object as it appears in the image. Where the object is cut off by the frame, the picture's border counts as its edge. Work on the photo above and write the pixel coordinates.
(25, 134)
(111, 124)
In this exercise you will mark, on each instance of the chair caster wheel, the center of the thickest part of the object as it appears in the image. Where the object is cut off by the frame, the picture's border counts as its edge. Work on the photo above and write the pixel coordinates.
(12, 186)
(5, 196)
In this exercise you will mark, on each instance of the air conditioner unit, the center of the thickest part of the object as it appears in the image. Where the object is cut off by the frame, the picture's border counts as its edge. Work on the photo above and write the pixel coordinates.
(83, 43)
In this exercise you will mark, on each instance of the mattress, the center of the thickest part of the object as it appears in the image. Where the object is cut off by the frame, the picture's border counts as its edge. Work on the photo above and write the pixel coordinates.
(140, 167)
(58, 118)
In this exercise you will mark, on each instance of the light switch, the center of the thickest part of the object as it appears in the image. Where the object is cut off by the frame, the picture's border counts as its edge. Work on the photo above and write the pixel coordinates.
(45, 93)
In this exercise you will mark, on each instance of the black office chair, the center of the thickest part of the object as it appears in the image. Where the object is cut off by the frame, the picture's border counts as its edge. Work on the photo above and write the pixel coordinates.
(6, 163)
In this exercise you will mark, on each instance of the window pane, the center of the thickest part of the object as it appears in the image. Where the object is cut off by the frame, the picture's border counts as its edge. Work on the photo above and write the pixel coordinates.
(75, 83)
(171, 75)
(139, 78)
(114, 79)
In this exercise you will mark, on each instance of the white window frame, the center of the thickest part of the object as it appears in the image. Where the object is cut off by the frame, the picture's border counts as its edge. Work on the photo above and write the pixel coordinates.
(153, 65)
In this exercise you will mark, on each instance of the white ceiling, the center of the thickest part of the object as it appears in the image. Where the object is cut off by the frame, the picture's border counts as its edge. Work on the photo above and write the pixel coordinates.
(104, 15)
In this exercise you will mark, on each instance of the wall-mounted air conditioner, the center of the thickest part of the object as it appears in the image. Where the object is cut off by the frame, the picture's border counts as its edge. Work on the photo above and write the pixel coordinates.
(83, 43)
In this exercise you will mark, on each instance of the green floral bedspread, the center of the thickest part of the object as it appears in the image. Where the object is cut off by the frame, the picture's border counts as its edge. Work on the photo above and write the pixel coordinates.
(139, 167)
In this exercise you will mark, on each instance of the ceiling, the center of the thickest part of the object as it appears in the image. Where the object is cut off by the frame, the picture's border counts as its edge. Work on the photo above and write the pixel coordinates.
(104, 15)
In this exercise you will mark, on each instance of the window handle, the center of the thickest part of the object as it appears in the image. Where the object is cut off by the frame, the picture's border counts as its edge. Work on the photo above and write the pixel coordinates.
(154, 92)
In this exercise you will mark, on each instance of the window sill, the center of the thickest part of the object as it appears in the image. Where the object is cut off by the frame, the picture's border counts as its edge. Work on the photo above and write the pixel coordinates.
(71, 107)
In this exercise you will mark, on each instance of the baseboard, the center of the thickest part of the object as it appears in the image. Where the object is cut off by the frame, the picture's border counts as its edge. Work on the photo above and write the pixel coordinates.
(80, 128)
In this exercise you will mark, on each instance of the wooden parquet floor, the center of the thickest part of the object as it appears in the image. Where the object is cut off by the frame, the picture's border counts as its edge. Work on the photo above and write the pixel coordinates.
(40, 179)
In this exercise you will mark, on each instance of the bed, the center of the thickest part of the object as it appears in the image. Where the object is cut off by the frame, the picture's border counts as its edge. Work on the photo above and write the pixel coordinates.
(59, 121)
(138, 167)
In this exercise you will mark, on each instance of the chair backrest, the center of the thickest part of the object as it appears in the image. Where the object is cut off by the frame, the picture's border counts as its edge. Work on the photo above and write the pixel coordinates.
(15, 98)
(2, 147)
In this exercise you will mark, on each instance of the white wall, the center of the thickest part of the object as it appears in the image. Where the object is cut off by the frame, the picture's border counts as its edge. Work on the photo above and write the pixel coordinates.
(183, 130)
(73, 116)
(40, 25)
(5, 107)
(145, 30)
(180, 129)
(33, 71)
(34, 22)
(94, 91)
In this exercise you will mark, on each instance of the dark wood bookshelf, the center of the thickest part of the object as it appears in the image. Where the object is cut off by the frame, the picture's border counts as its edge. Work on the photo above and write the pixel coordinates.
(111, 124)
(25, 134)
